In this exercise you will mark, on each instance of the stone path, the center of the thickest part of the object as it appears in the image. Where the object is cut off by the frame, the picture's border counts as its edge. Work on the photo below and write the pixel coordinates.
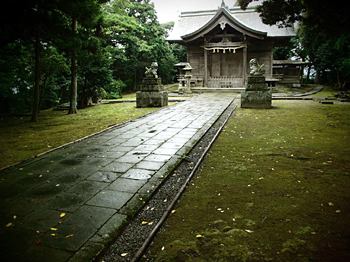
(68, 204)
(297, 96)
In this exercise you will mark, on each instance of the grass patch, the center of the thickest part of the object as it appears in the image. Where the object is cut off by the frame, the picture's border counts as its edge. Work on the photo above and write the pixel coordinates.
(275, 187)
(21, 139)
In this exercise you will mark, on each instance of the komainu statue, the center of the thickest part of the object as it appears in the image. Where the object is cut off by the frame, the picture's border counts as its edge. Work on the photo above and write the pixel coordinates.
(152, 71)
(255, 68)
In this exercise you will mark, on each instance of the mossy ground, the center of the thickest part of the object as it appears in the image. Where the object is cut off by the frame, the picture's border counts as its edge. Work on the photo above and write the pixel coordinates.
(275, 187)
(21, 139)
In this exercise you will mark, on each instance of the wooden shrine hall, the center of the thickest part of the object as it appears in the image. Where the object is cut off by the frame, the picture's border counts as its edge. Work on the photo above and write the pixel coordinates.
(220, 44)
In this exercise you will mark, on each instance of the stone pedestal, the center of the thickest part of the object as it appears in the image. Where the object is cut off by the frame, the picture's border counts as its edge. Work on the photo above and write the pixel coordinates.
(152, 93)
(257, 94)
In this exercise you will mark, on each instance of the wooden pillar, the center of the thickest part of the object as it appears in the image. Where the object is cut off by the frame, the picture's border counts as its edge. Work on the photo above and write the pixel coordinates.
(205, 83)
(245, 58)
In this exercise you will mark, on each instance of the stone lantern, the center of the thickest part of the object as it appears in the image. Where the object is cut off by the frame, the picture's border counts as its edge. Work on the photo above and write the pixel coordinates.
(188, 70)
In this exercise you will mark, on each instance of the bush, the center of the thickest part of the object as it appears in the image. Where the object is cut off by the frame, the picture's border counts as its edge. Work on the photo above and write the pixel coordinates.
(115, 90)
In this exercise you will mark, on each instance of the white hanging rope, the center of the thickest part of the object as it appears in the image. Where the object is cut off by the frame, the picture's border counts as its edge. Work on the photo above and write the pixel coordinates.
(217, 49)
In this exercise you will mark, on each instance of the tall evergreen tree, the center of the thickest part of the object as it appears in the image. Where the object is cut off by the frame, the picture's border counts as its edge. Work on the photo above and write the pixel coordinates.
(81, 14)
(148, 44)
(30, 21)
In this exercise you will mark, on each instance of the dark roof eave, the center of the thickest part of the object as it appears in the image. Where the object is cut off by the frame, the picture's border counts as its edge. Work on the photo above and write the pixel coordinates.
(176, 41)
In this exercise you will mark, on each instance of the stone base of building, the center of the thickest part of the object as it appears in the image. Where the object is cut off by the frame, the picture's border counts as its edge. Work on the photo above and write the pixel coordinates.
(256, 99)
(151, 99)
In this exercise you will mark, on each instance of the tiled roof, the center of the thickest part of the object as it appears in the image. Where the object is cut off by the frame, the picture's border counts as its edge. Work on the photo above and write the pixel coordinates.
(191, 22)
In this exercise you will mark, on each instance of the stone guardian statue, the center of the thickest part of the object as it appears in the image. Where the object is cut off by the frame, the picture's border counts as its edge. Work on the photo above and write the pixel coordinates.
(255, 68)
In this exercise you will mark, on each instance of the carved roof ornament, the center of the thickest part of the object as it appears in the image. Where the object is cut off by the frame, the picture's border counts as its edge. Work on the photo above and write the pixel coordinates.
(222, 24)
(223, 5)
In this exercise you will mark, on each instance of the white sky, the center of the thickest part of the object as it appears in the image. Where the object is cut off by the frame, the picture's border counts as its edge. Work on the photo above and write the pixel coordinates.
(169, 10)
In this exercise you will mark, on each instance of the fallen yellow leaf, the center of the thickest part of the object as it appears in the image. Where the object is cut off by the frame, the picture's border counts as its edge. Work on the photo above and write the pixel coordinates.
(199, 236)
(9, 224)
(173, 211)
(63, 215)
(124, 254)
(53, 228)
(69, 235)
(53, 235)
(144, 223)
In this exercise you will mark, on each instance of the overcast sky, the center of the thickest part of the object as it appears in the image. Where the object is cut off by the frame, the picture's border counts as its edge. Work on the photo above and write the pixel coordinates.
(169, 10)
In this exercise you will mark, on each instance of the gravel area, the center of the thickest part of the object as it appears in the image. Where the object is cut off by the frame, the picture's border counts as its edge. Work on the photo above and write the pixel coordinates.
(138, 230)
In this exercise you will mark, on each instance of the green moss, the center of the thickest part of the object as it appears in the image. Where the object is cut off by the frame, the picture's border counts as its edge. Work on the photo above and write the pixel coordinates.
(21, 139)
(275, 187)
(293, 245)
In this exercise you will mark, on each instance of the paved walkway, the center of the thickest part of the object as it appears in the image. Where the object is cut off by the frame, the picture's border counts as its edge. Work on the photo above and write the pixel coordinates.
(66, 205)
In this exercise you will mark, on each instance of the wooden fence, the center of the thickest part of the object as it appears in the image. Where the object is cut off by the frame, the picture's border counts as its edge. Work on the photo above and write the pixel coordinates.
(225, 82)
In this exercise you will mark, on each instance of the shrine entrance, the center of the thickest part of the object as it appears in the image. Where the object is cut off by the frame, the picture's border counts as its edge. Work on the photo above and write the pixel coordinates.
(221, 42)
(225, 63)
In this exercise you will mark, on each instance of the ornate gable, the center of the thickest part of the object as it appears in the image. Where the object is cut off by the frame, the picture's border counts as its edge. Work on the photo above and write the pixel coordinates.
(225, 21)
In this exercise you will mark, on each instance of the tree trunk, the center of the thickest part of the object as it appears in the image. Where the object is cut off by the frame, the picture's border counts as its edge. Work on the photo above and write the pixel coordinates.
(134, 80)
(43, 89)
(83, 99)
(74, 85)
(37, 81)
(339, 85)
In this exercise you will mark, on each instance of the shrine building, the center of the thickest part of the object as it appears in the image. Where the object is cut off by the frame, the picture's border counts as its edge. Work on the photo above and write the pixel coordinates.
(220, 43)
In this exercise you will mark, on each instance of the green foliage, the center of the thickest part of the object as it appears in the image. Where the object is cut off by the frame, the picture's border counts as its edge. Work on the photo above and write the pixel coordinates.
(21, 139)
(147, 44)
(112, 43)
(330, 57)
(285, 52)
(329, 18)
(115, 90)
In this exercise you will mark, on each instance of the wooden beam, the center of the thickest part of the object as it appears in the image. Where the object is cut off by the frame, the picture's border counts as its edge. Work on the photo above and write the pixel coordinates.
(244, 65)
(205, 68)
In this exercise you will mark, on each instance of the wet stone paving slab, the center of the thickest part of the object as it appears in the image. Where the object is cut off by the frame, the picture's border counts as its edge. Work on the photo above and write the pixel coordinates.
(66, 205)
